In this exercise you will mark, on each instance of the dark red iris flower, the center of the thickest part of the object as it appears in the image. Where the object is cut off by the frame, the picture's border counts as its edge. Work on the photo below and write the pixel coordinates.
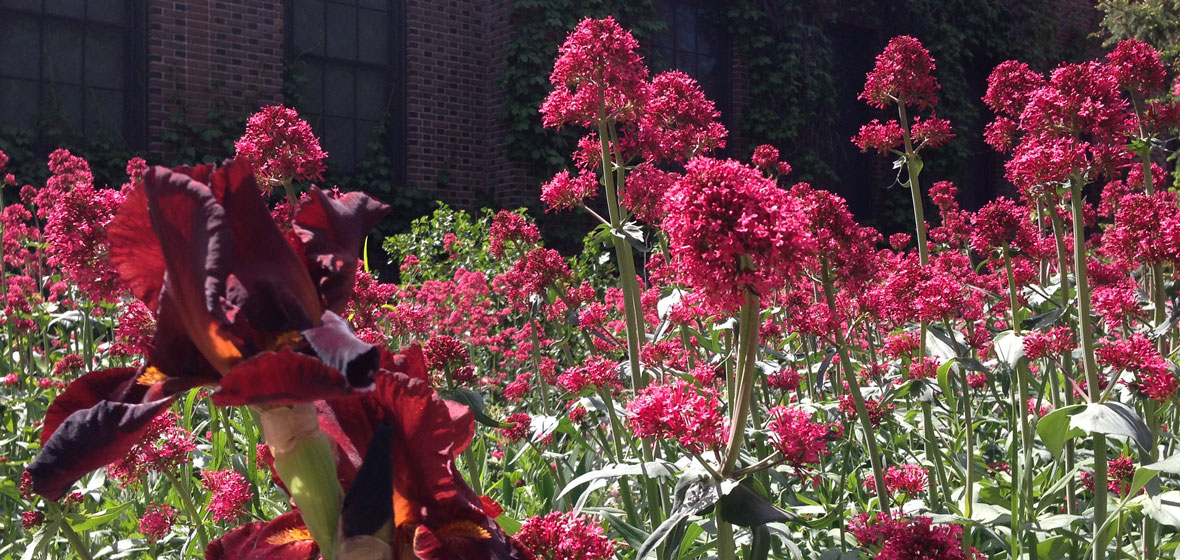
(283, 538)
(239, 305)
(435, 515)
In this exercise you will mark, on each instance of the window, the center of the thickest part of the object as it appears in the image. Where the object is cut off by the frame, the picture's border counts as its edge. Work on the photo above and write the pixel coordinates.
(347, 58)
(72, 67)
(697, 45)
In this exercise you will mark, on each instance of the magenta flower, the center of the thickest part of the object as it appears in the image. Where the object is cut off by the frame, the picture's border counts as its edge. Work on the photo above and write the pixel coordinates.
(229, 493)
(598, 59)
(1137, 66)
(281, 147)
(565, 536)
(157, 521)
(800, 440)
(680, 411)
(731, 229)
(904, 73)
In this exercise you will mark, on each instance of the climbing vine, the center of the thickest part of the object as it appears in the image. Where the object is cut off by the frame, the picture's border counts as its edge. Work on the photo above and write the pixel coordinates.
(539, 27)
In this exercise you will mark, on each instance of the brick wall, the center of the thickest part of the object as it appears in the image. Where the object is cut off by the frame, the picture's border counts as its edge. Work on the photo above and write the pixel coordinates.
(446, 79)
(201, 50)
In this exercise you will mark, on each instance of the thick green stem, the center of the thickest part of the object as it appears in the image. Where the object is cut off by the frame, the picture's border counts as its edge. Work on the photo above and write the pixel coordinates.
(76, 543)
(632, 312)
(304, 461)
(536, 354)
(1090, 366)
(747, 352)
(190, 509)
(746, 355)
(940, 490)
(616, 428)
(1067, 358)
(1020, 386)
(858, 400)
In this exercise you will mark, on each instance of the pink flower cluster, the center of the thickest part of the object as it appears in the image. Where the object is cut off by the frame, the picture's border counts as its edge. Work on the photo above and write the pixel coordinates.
(229, 493)
(565, 536)
(163, 448)
(678, 410)
(800, 440)
(894, 537)
(730, 229)
(281, 147)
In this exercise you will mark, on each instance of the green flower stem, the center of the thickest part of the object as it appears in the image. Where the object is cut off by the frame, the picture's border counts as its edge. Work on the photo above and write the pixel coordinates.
(468, 455)
(186, 500)
(747, 352)
(612, 174)
(76, 543)
(858, 400)
(616, 428)
(940, 489)
(622, 251)
(304, 461)
(1090, 366)
(1066, 358)
(536, 354)
(1024, 492)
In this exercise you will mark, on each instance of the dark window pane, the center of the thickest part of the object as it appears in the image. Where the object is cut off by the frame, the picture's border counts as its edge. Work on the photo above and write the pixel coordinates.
(108, 11)
(20, 40)
(104, 112)
(373, 36)
(308, 27)
(372, 93)
(18, 99)
(338, 139)
(62, 52)
(65, 101)
(31, 5)
(341, 32)
(104, 58)
(338, 95)
(72, 8)
(376, 4)
(312, 90)
(686, 37)
(364, 135)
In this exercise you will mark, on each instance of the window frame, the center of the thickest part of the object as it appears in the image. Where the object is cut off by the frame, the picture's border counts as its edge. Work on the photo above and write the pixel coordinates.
(395, 66)
(132, 130)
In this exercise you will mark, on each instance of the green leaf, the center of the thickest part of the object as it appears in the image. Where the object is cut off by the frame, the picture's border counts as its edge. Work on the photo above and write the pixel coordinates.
(1147, 473)
(1009, 348)
(743, 507)
(1054, 428)
(1114, 419)
(100, 518)
(1053, 548)
(650, 469)
(759, 542)
(474, 401)
(1164, 508)
(944, 381)
(508, 524)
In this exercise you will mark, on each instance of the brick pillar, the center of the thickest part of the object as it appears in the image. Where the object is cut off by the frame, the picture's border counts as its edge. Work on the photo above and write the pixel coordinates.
(205, 55)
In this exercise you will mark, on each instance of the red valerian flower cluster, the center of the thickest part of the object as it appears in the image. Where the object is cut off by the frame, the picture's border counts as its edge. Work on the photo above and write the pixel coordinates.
(894, 537)
(565, 536)
(229, 493)
(157, 521)
(730, 229)
(799, 439)
(597, 60)
(508, 227)
(1153, 375)
(281, 147)
(163, 448)
(678, 410)
(904, 73)
(1120, 474)
(76, 217)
